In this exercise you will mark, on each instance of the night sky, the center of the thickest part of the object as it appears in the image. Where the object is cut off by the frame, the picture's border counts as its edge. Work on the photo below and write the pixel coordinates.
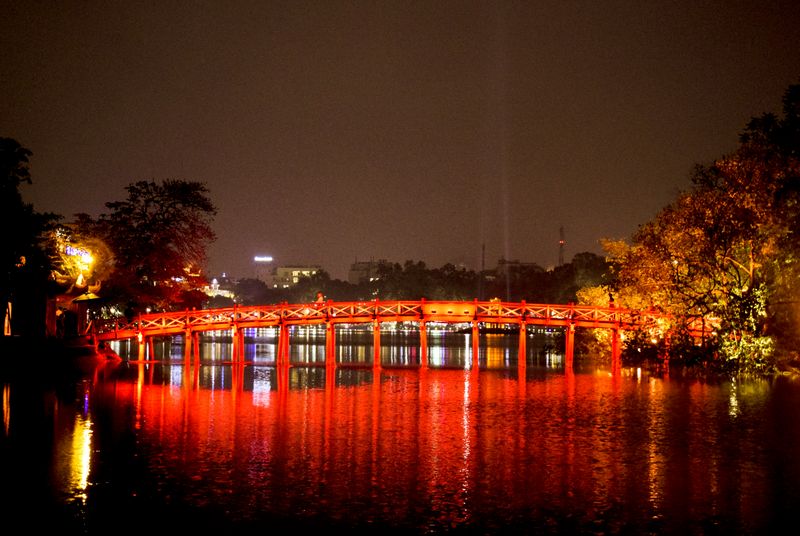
(329, 132)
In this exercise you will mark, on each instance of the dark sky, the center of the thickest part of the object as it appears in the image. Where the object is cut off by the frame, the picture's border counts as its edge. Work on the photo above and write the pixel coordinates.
(330, 132)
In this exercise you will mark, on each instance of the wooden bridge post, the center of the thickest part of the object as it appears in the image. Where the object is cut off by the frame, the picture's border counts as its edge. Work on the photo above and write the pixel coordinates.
(376, 344)
(140, 345)
(196, 347)
(238, 343)
(522, 352)
(615, 350)
(283, 379)
(238, 338)
(188, 345)
(151, 349)
(234, 343)
(241, 344)
(279, 345)
(569, 347)
(423, 344)
(475, 344)
(287, 354)
(330, 344)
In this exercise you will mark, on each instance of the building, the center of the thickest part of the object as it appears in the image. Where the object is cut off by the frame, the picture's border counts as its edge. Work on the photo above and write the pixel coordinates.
(286, 276)
(263, 267)
(214, 289)
(364, 271)
(512, 268)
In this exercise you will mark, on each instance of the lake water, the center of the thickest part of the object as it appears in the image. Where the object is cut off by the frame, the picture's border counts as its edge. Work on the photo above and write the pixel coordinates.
(166, 447)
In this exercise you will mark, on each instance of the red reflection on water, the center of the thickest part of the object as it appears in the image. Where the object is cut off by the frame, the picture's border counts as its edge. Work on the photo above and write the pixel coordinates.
(449, 436)
(441, 448)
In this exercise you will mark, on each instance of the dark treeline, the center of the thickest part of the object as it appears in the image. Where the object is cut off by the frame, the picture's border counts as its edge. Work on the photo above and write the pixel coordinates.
(145, 253)
(24, 257)
(414, 280)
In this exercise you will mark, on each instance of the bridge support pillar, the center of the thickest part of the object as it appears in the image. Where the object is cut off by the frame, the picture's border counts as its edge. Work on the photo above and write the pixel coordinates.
(616, 359)
(140, 347)
(151, 349)
(330, 344)
(196, 347)
(283, 378)
(423, 344)
(475, 345)
(188, 345)
(282, 356)
(569, 347)
(238, 344)
(522, 351)
(376, 344)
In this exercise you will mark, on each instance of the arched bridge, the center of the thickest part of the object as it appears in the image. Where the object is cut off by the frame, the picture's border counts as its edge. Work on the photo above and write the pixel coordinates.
(477, 313)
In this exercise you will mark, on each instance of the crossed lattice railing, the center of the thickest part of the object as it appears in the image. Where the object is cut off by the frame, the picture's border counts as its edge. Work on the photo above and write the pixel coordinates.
(384, 311)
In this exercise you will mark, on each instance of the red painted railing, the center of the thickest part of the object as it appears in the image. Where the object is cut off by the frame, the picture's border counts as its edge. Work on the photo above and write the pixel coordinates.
(238, 317)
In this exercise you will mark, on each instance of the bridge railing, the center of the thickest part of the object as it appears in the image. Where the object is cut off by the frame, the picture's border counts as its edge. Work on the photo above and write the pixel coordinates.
(363, 311)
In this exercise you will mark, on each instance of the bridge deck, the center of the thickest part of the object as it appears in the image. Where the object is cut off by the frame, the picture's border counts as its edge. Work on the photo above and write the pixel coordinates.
(422, 311)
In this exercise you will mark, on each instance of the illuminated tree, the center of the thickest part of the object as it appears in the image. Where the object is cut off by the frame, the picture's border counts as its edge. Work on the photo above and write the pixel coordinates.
(158, 236)
(776, 141)
(728, 248)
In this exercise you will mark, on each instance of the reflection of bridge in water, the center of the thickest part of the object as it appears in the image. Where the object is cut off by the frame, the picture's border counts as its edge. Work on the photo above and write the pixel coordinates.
(477, 315)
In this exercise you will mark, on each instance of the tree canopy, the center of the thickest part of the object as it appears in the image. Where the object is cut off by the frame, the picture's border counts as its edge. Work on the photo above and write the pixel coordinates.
(24, 261)
(728, 247)
(413, 280)
(158, 237)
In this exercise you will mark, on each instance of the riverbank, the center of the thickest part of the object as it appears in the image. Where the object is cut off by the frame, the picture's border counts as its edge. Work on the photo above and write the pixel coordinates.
(54, 356)
(45, 346)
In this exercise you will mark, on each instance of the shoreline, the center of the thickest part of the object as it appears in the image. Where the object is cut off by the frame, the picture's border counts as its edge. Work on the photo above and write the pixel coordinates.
(56, 357)
(45, 362)
(72, 347)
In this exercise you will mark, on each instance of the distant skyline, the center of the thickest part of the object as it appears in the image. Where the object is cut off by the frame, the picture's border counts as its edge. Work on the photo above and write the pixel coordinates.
(330, 132)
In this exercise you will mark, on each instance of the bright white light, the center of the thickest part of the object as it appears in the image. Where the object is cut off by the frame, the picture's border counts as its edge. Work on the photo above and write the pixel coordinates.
(262, 258)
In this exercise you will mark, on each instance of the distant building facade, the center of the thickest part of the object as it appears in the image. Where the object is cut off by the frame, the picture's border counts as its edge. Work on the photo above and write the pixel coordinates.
(364, 271)
(287, 276)
(263, 267)
(507, 267)
(214, 289)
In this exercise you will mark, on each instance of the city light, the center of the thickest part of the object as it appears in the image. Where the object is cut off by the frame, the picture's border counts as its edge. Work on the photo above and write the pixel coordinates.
(262, 258)
(85, 256)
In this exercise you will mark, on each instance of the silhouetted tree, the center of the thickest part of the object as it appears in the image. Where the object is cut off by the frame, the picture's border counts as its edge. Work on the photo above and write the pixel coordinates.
(250, 291)
(159, 237)
(24, 260)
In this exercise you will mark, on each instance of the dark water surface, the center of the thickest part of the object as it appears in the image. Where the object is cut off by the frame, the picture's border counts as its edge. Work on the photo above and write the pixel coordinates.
(168, 448)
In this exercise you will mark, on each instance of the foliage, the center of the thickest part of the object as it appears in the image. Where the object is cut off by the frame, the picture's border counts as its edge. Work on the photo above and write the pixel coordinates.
(754, 351)
(25, 257)
(728, 247)
(158, 236)
(71, 273)
(251, 291)
(413, 280)
(14, 163)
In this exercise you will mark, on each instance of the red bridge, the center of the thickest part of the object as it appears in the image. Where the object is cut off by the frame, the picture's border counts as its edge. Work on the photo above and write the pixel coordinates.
(235, 319)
